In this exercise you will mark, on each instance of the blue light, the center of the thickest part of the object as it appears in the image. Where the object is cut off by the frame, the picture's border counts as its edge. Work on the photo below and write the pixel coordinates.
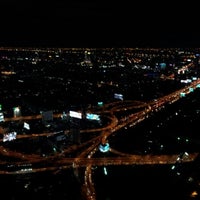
(198, 86)
(191, 89)
(104, 147)
(92, 116)
(182, 94)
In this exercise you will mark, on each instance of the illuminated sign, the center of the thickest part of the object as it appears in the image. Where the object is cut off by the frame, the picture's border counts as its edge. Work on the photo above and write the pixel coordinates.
(186, 81)
(9, 136)
(92, 116)
(162, 65)
(182, 94)
(75, 114)
(191, 89)
(198, 86)
(118, 96)
(1, 117)
(100, 103)
(26, 126)
(104, 148)
(194, 78)
(16, 111)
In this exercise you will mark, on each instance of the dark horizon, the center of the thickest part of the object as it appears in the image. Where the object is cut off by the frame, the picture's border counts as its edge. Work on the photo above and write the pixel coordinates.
(107, 42)
(97, 24)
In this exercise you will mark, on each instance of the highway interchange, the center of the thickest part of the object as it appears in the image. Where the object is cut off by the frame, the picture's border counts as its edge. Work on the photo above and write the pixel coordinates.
(134, 113)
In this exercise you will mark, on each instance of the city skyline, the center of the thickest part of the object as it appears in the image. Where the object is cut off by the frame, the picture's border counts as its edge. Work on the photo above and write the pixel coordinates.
(84, 123)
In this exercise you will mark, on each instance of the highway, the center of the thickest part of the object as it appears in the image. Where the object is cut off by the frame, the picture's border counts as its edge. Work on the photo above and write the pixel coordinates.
(134, 113)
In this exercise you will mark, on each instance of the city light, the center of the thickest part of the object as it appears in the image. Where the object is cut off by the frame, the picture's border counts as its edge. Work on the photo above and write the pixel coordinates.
(75, 114)
(9, 136)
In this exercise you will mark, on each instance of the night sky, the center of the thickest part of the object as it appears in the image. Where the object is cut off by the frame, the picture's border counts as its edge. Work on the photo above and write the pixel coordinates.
(95, 23)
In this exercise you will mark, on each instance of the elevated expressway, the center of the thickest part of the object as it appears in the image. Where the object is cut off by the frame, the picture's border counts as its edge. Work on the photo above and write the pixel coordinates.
(85, 152)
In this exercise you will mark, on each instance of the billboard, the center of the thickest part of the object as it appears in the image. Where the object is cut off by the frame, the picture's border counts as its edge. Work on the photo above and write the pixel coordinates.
(104, 148)
(1, 117)
(100, 103)
(9, 136)
(75, 114)
(17, 111)
(182, 94)
(118, 96)
(26, 126)
(91, 116)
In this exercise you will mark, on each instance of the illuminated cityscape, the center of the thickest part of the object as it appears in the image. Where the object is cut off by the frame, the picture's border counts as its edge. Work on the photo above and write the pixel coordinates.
(100, 123)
